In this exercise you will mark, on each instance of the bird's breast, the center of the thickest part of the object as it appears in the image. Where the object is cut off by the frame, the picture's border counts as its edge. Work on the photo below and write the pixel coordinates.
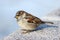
(25, 25)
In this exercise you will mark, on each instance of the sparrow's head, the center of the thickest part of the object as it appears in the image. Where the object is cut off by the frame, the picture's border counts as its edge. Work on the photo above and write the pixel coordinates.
(20, 14)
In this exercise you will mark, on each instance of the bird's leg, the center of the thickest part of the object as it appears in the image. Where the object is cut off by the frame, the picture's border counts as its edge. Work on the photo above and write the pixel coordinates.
(24, 31)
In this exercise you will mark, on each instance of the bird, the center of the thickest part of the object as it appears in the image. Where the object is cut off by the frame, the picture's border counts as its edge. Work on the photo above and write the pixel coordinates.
(27, 21)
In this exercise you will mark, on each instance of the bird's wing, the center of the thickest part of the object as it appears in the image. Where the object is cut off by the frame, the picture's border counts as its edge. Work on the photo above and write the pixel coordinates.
(37, 20)
(33, 19)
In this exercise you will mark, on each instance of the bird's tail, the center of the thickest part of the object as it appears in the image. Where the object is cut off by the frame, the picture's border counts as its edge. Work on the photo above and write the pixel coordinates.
(48, 22)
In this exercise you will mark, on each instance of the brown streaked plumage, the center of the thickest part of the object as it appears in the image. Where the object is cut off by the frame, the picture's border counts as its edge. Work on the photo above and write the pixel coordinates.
(27, 21)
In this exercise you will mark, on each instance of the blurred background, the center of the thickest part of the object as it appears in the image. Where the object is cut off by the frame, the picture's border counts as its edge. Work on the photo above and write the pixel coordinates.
(8, 9)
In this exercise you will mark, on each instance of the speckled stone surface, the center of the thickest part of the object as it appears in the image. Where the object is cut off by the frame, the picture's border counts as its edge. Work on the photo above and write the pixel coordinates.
(43, 32)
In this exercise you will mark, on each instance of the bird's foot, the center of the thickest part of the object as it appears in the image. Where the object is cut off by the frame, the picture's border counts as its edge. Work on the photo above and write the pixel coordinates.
(26, 31)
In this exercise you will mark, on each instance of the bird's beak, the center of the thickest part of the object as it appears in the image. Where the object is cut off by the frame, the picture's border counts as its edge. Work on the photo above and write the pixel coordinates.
(16, 17)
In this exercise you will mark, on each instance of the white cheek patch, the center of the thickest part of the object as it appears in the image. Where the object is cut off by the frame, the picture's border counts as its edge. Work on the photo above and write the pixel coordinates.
(24, 15)
(20, 17)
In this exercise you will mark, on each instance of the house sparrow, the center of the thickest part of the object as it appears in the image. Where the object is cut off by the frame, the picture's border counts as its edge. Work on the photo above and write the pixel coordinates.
(27, 21)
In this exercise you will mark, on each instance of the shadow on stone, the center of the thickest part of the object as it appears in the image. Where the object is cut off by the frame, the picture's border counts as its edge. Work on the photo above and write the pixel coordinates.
(43, 26)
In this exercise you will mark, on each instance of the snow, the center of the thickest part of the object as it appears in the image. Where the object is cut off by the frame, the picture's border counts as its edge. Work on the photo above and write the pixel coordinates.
(43, 32)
